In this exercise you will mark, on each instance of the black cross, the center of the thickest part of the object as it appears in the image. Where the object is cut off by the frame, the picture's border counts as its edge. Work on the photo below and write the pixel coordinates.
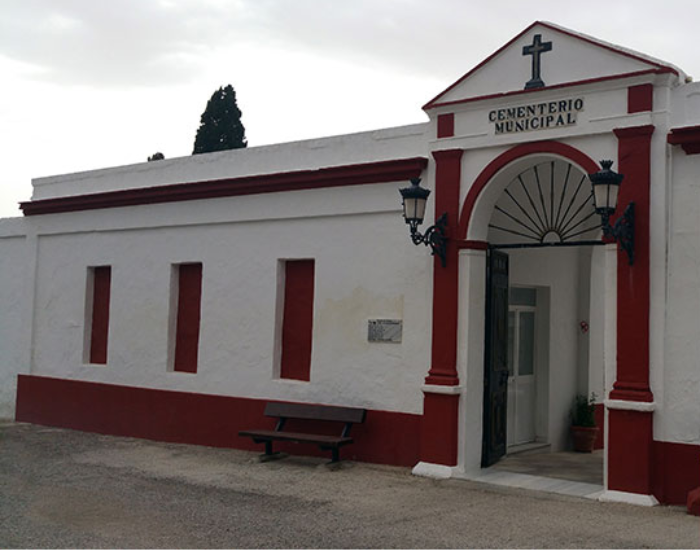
(536, 49)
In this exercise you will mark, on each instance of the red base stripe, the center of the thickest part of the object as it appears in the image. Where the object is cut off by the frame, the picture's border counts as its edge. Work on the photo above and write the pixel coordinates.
(199, 419)
(676, 471)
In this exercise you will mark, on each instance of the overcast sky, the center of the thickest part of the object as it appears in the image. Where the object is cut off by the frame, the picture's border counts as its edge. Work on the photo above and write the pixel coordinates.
(95, 83)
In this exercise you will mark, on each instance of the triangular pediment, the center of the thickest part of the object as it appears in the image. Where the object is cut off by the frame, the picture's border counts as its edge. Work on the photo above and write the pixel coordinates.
(567, 58)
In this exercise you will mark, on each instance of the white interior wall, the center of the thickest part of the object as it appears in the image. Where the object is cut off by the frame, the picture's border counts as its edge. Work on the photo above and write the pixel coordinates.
(558, 271)
(598, 302)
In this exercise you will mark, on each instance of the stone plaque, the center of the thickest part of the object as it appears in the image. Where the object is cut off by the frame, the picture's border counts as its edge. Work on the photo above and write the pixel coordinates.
(384, 330)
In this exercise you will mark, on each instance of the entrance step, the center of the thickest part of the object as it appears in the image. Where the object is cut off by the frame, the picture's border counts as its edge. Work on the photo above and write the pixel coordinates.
(579, 467)
(538, 483)
(528, 447)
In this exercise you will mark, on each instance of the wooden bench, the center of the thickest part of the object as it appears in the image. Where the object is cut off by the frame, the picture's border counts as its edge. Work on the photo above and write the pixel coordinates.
(298, 411)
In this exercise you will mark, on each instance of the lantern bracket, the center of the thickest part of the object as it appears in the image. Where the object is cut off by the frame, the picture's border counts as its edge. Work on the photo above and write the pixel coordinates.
(622, 231)
(434, 237)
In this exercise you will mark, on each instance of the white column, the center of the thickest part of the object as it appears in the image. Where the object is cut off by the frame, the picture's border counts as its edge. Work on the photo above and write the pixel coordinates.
(470, 356)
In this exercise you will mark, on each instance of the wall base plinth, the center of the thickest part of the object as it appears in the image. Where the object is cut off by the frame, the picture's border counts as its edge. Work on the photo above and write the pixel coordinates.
(628, 498)
(439, 427)
(435, 471)
(630, 450)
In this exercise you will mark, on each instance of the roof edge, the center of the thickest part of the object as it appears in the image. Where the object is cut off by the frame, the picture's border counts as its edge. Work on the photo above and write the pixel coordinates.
(655, 63)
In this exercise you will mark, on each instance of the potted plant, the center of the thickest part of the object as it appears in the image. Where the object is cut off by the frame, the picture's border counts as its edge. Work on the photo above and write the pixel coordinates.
(583, 425)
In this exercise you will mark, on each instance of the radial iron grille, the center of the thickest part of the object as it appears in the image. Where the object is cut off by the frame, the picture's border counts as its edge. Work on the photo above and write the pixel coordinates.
(551, 202)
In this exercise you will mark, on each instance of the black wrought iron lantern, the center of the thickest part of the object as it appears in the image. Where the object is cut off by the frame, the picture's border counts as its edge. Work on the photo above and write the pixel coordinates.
(606, 189)
(414, 202)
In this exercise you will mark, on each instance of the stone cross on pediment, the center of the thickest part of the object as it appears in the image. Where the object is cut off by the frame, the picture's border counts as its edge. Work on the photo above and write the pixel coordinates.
(536, 49)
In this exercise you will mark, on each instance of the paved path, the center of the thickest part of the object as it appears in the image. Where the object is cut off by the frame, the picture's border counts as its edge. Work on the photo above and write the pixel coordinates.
(61, 488)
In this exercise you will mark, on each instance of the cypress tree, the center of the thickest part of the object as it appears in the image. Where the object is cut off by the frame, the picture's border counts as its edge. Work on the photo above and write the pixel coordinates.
(220, 127)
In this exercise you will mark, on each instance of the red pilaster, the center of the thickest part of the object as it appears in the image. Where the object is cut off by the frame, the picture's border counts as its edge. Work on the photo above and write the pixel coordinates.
(440, 422)
(443, 370)
(632, 381)
(631, 434)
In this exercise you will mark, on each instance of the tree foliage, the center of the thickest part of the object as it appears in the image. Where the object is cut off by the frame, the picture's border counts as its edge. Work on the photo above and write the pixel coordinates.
(220, 127)
(156, 156)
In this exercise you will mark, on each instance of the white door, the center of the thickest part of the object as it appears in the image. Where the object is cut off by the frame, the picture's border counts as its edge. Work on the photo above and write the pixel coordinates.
(521, 366)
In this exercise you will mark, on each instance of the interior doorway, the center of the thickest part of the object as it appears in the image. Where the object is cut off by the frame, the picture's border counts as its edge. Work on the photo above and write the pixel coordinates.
(522, 367)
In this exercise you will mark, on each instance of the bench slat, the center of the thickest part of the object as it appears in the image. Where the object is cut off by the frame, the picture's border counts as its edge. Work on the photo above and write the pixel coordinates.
(315, 412)
(291, 436)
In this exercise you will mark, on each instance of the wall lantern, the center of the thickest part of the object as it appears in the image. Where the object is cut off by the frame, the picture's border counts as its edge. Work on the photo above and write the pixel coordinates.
(414, 200)
(606, 188)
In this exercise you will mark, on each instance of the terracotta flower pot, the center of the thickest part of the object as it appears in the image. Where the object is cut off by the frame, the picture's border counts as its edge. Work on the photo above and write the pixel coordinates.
(584, 438)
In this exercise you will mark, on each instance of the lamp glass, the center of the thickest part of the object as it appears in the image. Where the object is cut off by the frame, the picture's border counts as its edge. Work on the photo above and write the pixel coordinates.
(605, 196)
(414, 209)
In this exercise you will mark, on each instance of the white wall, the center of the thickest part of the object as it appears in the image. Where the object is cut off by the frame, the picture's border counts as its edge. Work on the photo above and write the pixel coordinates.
(366, 268)
(679, 411)
(13, 279)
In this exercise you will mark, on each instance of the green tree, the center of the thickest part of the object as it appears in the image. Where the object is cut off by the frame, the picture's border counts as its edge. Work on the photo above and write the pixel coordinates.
(220, 127)
(156, 156)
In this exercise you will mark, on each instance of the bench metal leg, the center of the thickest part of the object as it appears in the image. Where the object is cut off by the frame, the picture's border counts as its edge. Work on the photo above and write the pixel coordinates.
(336, 454)
(269, 453)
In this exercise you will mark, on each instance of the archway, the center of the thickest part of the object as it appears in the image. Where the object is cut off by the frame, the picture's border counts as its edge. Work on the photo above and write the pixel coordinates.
(533, 203)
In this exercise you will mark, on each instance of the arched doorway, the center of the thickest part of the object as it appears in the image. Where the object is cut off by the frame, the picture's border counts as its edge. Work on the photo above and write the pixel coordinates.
(536, 213)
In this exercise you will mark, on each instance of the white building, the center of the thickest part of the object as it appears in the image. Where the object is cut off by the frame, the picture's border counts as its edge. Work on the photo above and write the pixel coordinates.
(171, 300)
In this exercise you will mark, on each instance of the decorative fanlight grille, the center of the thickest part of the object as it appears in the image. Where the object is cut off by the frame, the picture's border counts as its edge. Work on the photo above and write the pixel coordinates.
(548, 203)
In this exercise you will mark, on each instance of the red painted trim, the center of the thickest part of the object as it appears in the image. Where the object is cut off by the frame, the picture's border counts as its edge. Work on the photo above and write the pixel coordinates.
(446, 125)
(337, 176)
(439, 429)
(99, 333)
(188, 317)
(298, 319)
(640, 98)
(443, 369)
(610, 47)
(517, 152)
(632, 378)
(199, 419)
(687, 137)
(676, 471)
(546, 88)
(472, 245)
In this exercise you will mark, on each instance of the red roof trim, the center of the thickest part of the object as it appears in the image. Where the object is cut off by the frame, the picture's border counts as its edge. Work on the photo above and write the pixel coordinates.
(552, 87)
(337, 176)
(688, 137)
(434, 102)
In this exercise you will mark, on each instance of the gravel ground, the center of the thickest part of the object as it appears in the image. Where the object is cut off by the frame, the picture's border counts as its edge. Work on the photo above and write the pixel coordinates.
(63, 488)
